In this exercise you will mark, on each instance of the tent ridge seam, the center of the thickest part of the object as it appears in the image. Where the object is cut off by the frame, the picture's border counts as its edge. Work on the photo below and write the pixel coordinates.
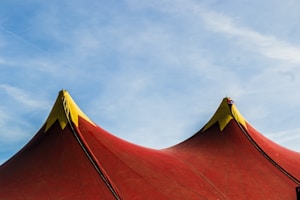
(272, 161)
(90, 157)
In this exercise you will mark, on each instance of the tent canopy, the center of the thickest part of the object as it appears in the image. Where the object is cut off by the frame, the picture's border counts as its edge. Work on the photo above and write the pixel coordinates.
(71, 157)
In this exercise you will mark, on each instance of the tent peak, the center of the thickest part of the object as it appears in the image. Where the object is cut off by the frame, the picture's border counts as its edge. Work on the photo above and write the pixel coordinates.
(224, 114)
(65, 111)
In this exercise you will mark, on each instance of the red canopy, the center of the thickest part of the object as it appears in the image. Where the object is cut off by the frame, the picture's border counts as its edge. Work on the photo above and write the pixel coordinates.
(72, 158)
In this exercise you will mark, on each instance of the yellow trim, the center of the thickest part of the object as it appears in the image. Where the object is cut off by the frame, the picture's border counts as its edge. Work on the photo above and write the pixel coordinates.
(224, 115)
(238, 116)
(65, 110)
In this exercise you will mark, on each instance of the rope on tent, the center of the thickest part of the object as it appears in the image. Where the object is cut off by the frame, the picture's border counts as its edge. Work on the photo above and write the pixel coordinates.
(290, 176)
(87, 153)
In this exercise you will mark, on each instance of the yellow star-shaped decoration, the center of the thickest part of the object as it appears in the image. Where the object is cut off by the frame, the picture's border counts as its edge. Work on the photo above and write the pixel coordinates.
(65, 110)
(225, 114)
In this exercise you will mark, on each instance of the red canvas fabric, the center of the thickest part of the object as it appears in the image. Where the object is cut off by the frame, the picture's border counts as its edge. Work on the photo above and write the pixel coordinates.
(83, 161)
(231, 162)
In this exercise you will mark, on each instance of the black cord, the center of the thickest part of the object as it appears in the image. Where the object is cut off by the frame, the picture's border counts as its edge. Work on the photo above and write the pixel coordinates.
(290, 176)
(102, 175)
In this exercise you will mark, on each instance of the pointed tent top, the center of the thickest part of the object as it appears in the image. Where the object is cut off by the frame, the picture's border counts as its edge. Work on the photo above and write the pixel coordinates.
(65, 110)
(224, 114)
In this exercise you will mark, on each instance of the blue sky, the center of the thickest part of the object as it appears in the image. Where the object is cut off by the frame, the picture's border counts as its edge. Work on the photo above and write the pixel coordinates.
(150, 72)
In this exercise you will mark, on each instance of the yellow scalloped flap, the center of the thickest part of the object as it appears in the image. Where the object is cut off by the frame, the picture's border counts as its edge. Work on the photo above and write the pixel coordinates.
(225, 114)
(65, 110)
(238, 116)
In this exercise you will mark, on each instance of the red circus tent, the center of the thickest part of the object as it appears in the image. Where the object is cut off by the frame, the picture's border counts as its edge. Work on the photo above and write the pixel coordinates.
(71, 157)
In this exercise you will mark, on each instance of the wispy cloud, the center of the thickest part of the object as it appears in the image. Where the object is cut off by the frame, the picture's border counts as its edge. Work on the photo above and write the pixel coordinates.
(24, 98)
(267, 45)
(287, 138)
(19, 38)
(14, 133)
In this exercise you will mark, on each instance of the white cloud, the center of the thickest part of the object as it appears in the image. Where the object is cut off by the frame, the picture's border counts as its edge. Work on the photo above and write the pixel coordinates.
(267, 45)
(24, 97)
(193, 13)
(288, 138)
(11, 130)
